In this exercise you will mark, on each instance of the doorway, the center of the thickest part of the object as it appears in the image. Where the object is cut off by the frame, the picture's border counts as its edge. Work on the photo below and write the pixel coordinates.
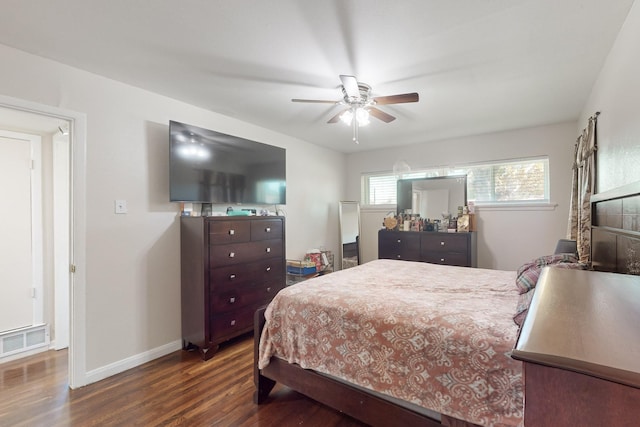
(68, 200)
(21, 302)
(34, 265)
(23, 329)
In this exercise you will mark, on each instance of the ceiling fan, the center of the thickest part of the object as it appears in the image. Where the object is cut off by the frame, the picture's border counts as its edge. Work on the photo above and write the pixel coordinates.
(356, 96)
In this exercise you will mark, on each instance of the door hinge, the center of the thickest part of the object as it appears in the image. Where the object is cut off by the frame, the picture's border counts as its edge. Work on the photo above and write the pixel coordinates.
(72, 268)
(33, 292)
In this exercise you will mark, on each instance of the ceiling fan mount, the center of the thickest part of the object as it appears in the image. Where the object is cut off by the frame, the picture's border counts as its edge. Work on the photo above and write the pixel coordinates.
(362, 100)
(356, 97)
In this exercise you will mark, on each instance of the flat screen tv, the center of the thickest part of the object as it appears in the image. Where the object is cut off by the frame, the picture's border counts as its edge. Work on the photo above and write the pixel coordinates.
(206, 166)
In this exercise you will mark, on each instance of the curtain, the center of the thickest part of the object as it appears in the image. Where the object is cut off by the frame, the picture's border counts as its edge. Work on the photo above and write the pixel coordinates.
(583, 186)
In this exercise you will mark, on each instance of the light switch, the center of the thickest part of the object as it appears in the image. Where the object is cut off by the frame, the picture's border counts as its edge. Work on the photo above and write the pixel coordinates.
(121, 206)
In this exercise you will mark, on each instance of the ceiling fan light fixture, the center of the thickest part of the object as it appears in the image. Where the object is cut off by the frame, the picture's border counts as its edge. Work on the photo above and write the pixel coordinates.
(347, 117)
(361, 115)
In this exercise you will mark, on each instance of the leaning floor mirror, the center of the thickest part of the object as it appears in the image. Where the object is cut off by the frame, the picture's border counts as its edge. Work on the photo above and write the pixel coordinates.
(349, 234)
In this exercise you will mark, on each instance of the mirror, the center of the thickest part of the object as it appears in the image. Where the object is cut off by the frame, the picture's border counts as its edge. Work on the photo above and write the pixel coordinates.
(349, 234)
(431, 197)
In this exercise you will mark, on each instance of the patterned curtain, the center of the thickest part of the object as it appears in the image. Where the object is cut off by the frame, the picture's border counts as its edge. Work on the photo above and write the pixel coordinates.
(584, 173)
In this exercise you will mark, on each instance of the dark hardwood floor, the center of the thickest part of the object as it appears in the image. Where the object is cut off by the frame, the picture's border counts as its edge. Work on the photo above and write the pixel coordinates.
(176, 390)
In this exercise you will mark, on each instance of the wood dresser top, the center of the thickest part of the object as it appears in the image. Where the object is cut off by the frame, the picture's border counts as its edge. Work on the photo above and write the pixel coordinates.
(584, 321)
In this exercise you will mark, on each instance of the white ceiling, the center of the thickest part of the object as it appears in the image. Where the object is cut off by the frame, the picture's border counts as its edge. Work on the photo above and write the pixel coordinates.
(479, 65)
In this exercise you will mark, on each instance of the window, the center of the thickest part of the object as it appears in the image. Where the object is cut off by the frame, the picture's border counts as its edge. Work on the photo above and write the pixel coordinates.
(380, 189)
(506, 182)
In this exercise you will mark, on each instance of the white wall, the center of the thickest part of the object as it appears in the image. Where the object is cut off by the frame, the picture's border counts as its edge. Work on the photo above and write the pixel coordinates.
(132, 260)
(616, 95)
(506, 238)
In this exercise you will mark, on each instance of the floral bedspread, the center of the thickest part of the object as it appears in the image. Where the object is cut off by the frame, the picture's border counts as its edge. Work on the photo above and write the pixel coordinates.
(437, 336)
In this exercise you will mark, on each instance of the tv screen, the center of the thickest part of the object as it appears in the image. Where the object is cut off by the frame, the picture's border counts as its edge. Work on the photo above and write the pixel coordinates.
(212, 167)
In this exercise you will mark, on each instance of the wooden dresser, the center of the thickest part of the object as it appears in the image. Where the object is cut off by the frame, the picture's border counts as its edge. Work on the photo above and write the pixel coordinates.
(581, 350)
(230, 266)
(429, 246)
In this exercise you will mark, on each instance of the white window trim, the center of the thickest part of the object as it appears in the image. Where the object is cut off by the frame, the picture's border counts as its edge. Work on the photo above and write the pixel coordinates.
(517, 206)
(388, 207)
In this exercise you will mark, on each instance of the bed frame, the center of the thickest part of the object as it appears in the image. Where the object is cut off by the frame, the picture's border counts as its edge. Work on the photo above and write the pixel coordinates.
(615, 233)
(615, 248)
(343, 397)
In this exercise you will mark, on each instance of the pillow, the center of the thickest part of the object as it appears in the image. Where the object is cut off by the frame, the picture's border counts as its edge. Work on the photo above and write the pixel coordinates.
(527, 275)
(523, 307)
(527, 278)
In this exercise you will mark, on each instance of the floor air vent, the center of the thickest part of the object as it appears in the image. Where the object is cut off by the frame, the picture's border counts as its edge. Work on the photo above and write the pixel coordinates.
(24, 339)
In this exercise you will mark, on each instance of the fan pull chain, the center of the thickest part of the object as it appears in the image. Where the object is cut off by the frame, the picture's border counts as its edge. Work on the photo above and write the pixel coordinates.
(355, 129)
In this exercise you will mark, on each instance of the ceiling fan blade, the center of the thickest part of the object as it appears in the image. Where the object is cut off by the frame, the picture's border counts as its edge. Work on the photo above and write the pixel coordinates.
(350, 84)
(379, 114)
(336, 118)
(315, 101)
(397, 99)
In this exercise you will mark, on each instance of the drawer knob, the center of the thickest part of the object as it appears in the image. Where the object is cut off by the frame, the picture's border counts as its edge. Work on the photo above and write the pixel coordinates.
(441, 259)
(232, 300)
(441, 243)
(399, 256)
(269, 289)
(267, 230)
(232, 232)
(399, 240)
(233, 276)
(268, 268)
(233, 323)
(268, 250)
(232, 254)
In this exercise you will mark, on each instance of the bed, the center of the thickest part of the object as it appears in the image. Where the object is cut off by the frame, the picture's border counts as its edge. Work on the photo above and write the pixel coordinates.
(383, 327)
(427, 345)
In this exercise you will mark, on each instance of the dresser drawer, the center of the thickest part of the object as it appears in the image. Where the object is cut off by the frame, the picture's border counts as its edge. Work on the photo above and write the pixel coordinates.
(270, 271)
(224, 232)
(233, 323)
(399, 245)
(445, 242)
(241, 296)
(266, 229)
(446, 258)
(240, 253)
